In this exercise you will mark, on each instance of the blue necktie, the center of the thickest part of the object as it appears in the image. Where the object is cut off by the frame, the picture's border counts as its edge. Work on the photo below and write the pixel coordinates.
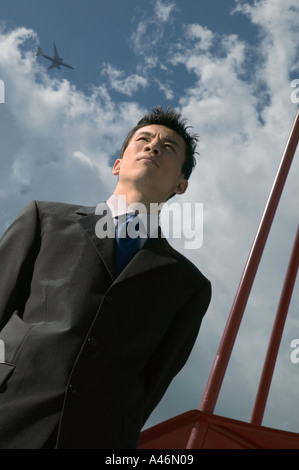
(126, 247)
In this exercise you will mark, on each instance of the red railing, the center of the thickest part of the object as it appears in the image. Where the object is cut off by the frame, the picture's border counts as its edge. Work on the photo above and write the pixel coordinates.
(278, 326)
(223, 354)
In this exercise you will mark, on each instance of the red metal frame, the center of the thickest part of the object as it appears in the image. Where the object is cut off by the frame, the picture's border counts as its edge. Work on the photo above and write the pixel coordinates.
(278, 326)
(228, 339)
(201, 423)
(215, 432)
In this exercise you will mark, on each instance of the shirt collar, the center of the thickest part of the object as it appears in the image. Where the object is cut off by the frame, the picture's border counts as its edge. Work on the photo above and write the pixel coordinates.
(118, 207)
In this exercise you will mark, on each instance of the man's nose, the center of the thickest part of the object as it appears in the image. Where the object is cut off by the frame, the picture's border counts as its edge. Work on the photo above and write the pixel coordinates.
(153, 147)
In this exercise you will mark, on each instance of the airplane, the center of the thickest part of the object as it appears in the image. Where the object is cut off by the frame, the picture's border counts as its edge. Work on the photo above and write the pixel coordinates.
(56, 60)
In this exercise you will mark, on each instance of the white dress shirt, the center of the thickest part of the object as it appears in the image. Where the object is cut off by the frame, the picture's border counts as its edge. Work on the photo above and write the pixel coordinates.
(149, 222)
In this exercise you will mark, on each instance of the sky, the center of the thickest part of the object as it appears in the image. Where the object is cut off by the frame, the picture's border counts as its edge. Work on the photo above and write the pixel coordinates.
(228, 67)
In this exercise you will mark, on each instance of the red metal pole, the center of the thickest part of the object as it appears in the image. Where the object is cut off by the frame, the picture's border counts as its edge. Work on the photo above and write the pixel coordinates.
(278, 326)
(223, 354)
(222, 357)
(228, 338)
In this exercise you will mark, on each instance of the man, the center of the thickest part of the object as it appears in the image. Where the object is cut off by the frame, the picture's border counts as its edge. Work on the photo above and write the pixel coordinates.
(91, 348)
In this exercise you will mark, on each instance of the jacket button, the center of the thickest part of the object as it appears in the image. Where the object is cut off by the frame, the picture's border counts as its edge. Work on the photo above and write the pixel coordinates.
(92, 341)
(73, 388)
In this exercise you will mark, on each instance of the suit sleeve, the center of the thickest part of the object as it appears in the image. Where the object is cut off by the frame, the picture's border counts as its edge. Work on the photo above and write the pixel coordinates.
(18, 250)
(174, 350)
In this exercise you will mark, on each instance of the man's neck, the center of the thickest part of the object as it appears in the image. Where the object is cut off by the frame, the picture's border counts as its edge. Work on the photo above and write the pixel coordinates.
(135, 197)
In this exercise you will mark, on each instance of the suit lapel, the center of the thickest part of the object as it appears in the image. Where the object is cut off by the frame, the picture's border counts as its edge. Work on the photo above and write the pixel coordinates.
(155, 253)
(104, 246)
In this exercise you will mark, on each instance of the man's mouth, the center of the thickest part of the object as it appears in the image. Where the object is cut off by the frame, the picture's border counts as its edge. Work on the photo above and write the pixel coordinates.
(150, 159)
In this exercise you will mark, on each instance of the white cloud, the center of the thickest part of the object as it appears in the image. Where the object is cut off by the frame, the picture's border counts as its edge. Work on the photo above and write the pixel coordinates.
(201, 33)
(278, 24)
(165, 88)
(148, 35)
(163, 10)
(56, 141)
(122, 84)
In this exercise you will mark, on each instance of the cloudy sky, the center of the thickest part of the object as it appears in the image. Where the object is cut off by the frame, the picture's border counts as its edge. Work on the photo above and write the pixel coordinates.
(227, 65)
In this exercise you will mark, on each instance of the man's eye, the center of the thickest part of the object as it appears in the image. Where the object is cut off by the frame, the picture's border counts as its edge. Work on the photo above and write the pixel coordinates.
(169, 146)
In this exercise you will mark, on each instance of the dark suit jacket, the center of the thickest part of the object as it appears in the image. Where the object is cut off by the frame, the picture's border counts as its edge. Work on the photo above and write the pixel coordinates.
(84, 350)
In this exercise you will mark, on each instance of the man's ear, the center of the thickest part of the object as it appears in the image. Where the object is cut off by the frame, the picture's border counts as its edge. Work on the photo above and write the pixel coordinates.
(181, 187)
(116, 166)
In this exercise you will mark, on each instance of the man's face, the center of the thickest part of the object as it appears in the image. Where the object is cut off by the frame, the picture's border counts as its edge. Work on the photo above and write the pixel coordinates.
(152, 162)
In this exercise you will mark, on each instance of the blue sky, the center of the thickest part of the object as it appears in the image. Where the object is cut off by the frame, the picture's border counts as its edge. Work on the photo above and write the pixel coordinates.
(227, 66)
(94, 33)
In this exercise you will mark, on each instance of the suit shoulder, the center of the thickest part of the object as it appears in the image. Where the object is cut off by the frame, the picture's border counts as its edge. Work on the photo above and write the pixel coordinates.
(56, 206)
(188, 267)
(58, 209)
(192, 267)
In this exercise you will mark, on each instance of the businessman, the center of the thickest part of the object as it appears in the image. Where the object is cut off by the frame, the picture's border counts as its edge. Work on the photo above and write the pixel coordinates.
(93, 340)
